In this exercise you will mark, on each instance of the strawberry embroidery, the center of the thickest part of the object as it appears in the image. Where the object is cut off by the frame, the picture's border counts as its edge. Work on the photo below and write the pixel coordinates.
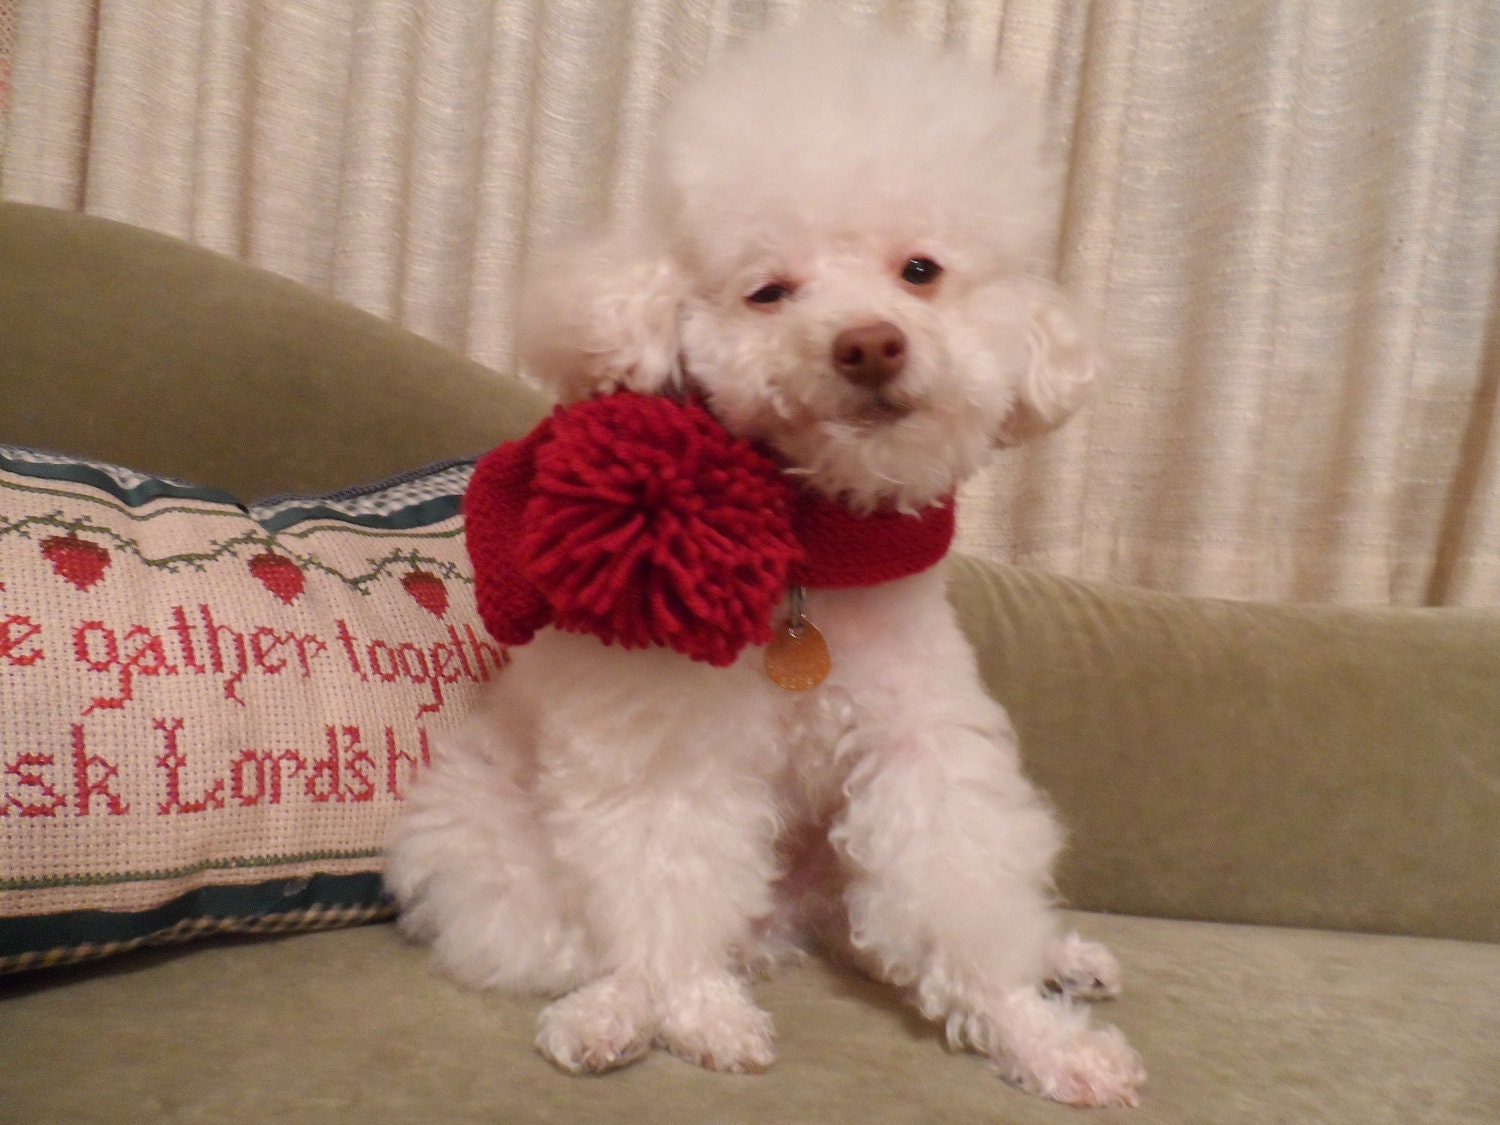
(279, 574)
(427, 590)
(84, 553)
(79, 561)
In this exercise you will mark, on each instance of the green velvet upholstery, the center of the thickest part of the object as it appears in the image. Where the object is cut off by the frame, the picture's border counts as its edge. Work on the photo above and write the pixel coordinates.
(1320, 788)
(138, 349)
(1280, 765)
(1239, 1025)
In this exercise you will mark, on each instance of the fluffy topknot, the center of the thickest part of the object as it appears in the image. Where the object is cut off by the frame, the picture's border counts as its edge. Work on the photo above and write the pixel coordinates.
(861, 135)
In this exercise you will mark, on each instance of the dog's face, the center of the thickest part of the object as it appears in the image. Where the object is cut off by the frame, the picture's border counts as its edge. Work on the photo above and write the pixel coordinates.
(840, 257)
(883, 369)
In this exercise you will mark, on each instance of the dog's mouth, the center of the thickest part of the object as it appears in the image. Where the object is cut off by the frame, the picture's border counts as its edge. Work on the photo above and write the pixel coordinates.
(880, 408)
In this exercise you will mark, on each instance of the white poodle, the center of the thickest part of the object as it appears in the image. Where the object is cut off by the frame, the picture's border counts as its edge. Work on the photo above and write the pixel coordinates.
(840, 258)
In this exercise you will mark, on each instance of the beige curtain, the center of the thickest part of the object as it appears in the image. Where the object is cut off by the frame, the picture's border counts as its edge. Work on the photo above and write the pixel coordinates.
(1285, 214)
(8, 20)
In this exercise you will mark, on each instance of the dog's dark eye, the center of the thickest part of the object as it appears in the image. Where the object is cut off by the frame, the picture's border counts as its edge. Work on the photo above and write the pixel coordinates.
(921, 271)
(770, 294)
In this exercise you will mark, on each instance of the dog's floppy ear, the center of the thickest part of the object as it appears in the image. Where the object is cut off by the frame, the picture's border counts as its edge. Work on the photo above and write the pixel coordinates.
(599, 316)
(1062, 363)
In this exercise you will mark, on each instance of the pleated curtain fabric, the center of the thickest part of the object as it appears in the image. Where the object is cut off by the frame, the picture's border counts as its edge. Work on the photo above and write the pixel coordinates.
(1284, 214)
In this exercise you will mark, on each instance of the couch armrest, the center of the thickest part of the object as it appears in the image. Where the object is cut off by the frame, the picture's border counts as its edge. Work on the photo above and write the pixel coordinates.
(1291, 765)
(133, 347)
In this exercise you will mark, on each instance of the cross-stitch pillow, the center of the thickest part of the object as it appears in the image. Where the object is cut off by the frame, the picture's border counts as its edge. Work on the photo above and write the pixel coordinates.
(209, 713)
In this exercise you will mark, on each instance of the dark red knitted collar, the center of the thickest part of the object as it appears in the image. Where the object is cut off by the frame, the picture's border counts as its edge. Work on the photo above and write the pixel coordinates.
(641, 520)
(841, 548)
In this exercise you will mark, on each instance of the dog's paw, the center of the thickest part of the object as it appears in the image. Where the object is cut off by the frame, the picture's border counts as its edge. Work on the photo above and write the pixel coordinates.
(1084, 970)
(712, 1022)
(1096, 1067)
(599, 1027)
(1046, 1046)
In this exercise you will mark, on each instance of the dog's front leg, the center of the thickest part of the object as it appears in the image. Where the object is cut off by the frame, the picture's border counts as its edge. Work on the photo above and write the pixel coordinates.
(676, 865)
(949, 851)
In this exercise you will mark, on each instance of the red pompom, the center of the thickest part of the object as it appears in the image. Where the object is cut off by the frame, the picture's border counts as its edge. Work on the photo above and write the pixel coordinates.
(645, 522)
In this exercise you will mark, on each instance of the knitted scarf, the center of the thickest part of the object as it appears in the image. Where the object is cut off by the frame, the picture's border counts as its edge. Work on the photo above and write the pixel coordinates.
(641, 520)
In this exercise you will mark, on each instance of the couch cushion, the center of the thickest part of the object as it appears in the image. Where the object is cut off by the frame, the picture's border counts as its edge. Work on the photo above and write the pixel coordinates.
(210, 713)
(1237, 1026)
(1315, 766)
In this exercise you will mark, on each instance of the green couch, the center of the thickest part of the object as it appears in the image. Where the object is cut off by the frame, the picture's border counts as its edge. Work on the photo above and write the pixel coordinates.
(1284, 820)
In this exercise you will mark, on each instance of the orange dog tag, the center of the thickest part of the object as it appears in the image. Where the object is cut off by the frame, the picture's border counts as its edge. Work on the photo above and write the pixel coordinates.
(797, 658)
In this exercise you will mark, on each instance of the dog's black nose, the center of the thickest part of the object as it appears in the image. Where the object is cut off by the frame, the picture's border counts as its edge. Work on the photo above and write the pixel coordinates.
(870, 355)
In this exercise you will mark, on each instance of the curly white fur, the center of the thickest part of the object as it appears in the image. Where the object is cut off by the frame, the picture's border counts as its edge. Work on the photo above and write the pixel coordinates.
(629, 830)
